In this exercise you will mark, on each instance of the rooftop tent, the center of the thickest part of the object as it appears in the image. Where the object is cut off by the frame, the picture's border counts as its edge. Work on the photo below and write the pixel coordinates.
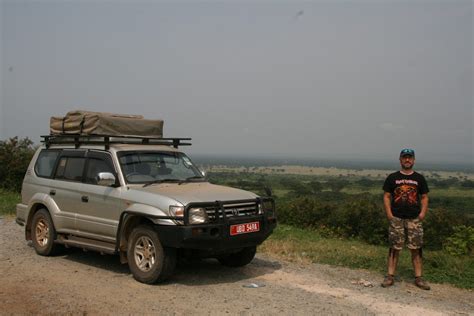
(101, 123)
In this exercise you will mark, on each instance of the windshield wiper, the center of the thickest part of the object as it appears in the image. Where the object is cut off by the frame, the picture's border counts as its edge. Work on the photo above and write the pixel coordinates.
(179, 181)
(194, 178)
(161, 181)
(189, 179)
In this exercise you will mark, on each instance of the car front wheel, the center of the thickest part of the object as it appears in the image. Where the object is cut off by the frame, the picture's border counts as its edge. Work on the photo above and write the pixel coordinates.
(148, 261)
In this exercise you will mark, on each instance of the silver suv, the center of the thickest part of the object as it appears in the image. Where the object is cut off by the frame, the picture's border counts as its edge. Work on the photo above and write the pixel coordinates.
(141, 198)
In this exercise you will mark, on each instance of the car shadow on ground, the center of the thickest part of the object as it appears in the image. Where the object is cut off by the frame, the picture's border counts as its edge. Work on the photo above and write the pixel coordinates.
(191, 273)
(95, 259)
(210, 271)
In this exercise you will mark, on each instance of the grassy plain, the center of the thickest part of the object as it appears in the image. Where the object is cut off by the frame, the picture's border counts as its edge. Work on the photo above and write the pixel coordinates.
(8, 201)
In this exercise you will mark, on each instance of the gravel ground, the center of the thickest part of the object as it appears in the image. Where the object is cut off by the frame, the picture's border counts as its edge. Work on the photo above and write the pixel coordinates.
(78, 282)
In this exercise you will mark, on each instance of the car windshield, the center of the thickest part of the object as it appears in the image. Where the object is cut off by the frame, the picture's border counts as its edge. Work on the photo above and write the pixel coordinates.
(147, 167)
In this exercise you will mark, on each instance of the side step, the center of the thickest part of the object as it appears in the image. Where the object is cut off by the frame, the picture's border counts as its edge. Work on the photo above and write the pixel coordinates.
(86, 244)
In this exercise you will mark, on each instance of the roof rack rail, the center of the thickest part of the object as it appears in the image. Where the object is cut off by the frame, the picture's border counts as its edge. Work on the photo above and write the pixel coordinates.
(77, 140)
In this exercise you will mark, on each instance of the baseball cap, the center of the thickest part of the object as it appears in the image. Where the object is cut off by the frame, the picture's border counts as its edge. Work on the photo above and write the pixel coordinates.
(407, 152)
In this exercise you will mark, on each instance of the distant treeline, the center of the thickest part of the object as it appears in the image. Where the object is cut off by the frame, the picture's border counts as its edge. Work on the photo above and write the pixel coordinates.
(355, 164)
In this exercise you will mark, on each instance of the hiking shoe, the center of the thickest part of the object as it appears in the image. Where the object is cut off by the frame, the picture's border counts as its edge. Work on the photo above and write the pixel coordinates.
(422, 284)
(388, 281)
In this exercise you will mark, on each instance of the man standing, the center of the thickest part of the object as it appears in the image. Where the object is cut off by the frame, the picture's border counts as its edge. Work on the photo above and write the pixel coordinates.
(406, 203)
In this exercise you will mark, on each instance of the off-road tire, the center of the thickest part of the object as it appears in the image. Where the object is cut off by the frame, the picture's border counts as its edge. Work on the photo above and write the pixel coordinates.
(238, 259)
(43, 233)
(148, 260)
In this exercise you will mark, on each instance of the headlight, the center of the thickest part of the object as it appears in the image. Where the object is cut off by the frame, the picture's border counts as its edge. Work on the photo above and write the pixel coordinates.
(177, 211)
(198, 216)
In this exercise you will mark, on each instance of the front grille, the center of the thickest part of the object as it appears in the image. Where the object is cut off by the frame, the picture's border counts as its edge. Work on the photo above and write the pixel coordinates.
(232, 210)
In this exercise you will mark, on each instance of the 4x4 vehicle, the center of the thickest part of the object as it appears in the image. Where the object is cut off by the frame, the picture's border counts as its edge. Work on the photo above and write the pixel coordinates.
(141, 198)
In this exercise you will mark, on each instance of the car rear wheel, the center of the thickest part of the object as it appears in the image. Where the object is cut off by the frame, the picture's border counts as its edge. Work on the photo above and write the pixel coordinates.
(43, 233)
(148, 261)
(238, 259)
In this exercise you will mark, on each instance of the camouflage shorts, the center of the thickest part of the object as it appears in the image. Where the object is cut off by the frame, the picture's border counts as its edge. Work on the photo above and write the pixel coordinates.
(410, 230)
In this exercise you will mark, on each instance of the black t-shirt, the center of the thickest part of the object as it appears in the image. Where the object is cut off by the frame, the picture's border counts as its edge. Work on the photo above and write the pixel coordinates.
(406, 191)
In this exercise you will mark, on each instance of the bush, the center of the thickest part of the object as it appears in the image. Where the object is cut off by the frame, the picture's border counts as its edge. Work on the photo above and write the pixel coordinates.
(361, 218)
(461, 241)
(305, 212)
(15, 155)
(439, 225)
(467, 184)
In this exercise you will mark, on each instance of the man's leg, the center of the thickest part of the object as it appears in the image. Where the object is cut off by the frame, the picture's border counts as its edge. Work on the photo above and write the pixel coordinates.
(396, 237)
(415, 243)
(393, 255)
(392, 262)
(417, 262)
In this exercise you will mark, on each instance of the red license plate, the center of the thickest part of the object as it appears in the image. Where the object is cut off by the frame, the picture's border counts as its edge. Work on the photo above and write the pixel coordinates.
(244, 228)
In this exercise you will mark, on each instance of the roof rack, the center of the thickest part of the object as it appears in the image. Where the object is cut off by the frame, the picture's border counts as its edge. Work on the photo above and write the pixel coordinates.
(106, 140)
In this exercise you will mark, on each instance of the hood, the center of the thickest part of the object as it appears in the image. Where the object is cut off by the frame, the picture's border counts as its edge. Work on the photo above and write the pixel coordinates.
(197, 192)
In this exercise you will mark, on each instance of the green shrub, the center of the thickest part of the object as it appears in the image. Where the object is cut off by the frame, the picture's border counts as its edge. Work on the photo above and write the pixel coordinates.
(439, 225)
(305, 212)
(15, 155)
(359, 218)
(461, 241)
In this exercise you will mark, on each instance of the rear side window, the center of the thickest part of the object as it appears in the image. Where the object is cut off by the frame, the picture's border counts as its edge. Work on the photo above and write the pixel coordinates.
(45, 163)
(70, 168)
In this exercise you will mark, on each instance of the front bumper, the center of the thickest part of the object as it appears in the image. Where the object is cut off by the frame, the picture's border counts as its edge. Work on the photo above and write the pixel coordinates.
(215, 237)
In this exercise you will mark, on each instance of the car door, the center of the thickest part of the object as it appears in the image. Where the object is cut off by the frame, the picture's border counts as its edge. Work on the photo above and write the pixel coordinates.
(65, 187)
(99, 211)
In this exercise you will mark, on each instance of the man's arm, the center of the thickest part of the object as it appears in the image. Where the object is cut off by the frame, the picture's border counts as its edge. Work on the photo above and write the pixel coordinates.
(424, 206)
(387, 197)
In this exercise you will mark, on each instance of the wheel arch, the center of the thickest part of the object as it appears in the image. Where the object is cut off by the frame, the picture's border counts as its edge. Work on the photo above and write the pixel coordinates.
(34, 208)
(37, 202)
(128, 221)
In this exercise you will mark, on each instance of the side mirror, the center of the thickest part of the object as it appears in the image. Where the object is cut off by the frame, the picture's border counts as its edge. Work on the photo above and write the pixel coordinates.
(106, 179)
(203, 173)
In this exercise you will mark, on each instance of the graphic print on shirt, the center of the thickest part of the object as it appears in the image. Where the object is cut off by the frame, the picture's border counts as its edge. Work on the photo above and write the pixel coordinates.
(406, 192)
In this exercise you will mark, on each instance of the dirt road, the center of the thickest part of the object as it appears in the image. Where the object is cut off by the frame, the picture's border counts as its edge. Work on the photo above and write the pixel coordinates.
(88, 283)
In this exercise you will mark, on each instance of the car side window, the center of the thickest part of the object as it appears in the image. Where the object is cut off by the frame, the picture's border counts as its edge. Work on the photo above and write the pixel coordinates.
(70, 168)
(94, 167)
(45, 163)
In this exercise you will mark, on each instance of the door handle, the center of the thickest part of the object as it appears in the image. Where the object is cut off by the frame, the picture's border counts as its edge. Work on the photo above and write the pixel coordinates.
(85, 198)
(52, 192)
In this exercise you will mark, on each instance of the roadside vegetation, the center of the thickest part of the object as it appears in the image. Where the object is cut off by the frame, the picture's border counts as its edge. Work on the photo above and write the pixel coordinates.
(327, 219)
(8, 200)
(15, 155)
(312, 246)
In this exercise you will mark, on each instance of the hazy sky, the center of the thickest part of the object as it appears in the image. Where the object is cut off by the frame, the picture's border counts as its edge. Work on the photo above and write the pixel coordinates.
(322, 79)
